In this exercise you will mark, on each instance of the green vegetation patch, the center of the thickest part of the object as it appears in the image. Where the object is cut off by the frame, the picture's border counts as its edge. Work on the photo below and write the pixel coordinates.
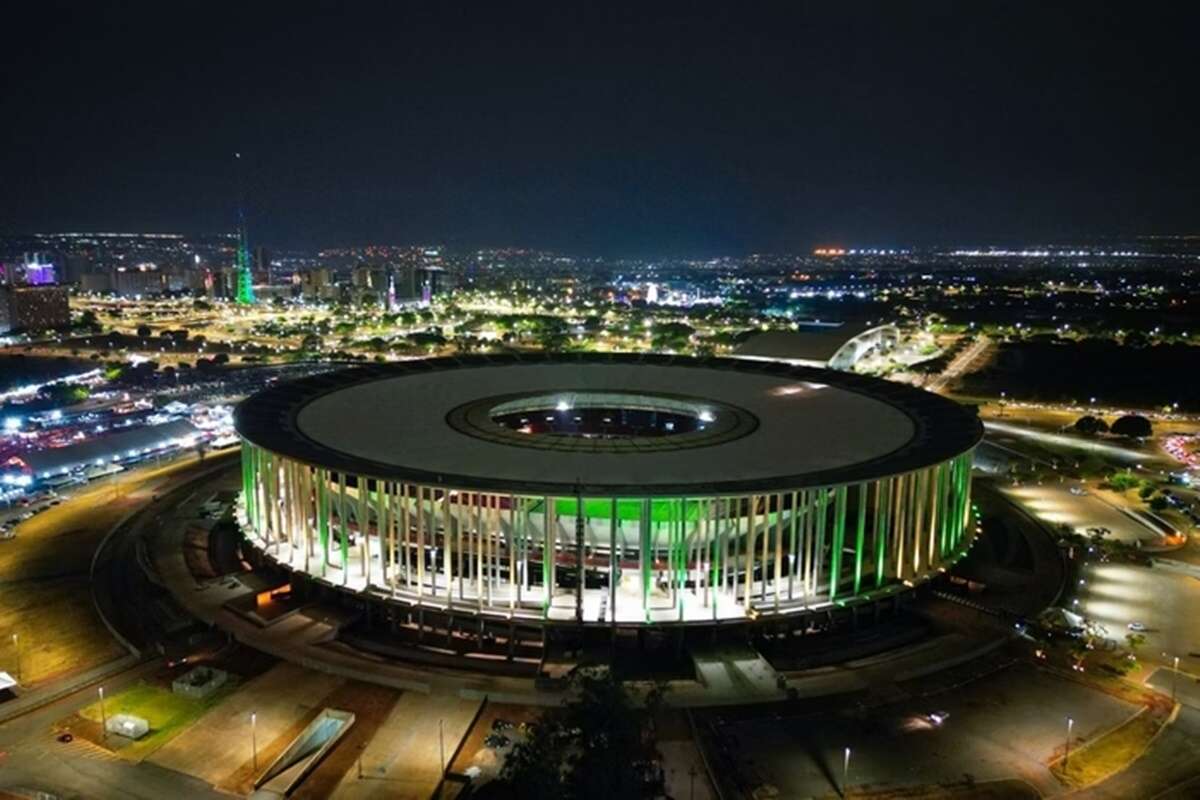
(1112, 752)
(169, 714)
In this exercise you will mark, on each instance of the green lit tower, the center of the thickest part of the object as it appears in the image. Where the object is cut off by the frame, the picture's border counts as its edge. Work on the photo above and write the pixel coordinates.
(245, 278)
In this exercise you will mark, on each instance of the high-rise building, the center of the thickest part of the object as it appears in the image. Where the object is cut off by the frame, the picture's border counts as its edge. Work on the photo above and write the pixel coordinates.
(75, 266)
(5, 310)
(262, 265)
(419, 283)
(37, 270)
(141, 281)
(316, 284)
(38, 307)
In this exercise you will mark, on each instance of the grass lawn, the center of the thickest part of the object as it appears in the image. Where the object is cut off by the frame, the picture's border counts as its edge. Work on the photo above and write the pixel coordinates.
(168, 714)
(1112, 752)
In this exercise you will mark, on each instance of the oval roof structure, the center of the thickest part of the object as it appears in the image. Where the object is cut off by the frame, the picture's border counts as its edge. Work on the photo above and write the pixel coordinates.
(773, 426)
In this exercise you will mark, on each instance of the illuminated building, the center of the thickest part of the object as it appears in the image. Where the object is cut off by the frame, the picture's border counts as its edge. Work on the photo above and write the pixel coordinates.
(605, 491)
(38, 307)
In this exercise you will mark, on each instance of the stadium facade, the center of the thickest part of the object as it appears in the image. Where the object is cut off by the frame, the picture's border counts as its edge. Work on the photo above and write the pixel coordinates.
(598, 490)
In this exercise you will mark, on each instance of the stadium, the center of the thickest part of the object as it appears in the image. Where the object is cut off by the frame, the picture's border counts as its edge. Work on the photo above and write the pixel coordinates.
(604, 490)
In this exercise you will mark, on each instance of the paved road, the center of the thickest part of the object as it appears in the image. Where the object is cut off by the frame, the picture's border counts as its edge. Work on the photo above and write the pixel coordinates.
(1184, 686)
(1002, 725)
(34, 761)
(961, 364)
(1054, 503)
(66, 535)
(1165, 601)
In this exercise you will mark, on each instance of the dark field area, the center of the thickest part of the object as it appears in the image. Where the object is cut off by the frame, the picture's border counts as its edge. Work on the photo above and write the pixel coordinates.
(1077, 371)
(18, 370)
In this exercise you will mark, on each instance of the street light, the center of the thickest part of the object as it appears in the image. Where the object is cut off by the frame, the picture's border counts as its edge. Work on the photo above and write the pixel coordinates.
(254, 741)
(103, 716)
(1175, 679)
(442, 757)
(846, 772)
(1067, 754)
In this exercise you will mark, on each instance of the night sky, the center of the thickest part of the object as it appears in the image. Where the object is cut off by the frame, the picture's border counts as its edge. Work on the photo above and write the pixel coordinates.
(679, 131)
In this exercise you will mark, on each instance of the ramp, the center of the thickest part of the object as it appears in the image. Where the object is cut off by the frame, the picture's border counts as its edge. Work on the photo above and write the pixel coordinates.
(300, 757)
(736, 673)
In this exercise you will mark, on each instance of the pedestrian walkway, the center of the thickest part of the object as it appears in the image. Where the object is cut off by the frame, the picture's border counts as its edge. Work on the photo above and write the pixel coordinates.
(82, 748)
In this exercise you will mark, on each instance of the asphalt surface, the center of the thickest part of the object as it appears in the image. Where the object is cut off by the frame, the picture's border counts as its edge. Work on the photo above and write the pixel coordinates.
(1166, 602)
(1002, 725)
(34, 761)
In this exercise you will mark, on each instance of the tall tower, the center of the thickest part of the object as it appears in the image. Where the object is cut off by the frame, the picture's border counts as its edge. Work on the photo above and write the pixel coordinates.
(245, 276)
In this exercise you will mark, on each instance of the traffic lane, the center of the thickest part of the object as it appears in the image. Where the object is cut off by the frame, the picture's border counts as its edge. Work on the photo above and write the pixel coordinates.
(1053, 502)
(1182, 685)
(1003, 724)
(1165, 602)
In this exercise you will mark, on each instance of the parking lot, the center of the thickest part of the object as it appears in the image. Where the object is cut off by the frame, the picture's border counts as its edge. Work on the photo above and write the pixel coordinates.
(1011, 721)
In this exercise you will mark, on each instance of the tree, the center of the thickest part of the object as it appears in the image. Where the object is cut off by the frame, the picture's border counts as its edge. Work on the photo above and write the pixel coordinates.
(1123, 480)
(597, 745)
(672, 336)
(65, 394)
(143, 330)
(1133, 426)
(1134, 641)
(1090, 425)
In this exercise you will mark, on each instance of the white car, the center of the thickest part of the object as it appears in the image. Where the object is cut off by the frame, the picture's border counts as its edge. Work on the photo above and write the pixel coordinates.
(1137, 627)
(1078, 491)
(937, 717)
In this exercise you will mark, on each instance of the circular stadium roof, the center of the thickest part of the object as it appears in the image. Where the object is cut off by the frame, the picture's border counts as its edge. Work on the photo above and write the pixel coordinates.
(758, 426)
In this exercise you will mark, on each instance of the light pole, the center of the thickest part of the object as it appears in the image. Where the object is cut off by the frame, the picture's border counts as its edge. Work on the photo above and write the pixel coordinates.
(17, 646)
(103, 716)
(1067, 754)
(254, 741)
(1174, 677)
(846, 772)
(442, 757)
